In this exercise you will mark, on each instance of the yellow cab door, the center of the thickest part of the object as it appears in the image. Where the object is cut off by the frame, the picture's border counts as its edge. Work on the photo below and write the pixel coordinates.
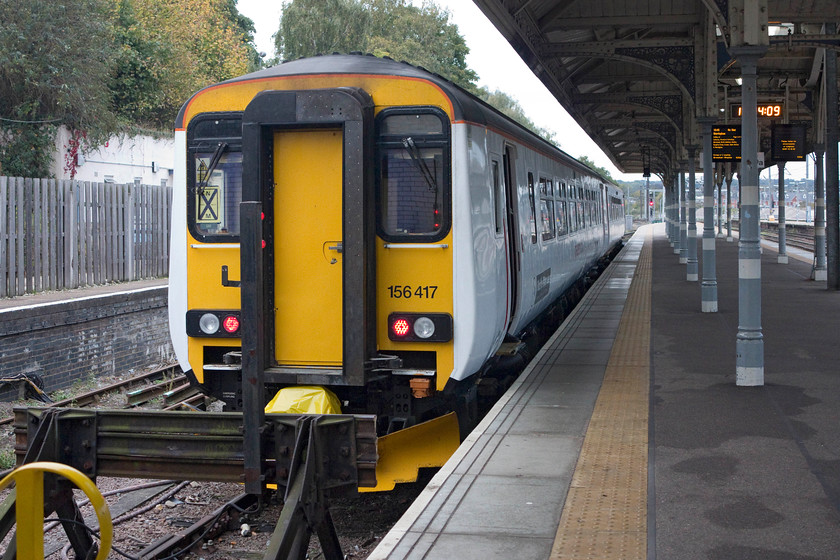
(306, 157)
(308, 248)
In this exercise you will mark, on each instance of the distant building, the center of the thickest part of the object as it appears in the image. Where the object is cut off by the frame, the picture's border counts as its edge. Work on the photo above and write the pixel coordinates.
(122, 160)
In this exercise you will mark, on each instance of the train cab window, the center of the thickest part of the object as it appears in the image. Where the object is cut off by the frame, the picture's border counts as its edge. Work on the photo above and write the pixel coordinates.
(413, 174)
(547, 209)
(214, 176)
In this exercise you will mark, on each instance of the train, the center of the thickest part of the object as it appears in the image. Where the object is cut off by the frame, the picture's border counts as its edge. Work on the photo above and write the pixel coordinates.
(411, 244)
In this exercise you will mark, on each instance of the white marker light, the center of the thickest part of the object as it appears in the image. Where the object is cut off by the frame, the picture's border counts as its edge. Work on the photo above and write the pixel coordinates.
(209, 323)
(424, 327)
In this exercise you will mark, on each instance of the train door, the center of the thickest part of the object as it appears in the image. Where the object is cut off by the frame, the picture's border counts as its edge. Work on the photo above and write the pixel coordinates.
(306, 161)
(513, 241)
(605, 226)
(308, 255)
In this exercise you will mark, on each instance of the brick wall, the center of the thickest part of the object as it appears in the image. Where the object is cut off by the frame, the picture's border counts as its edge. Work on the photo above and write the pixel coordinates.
(89, 337)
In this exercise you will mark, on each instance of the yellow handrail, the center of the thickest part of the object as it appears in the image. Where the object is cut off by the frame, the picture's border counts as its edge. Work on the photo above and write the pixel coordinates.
(29, 511)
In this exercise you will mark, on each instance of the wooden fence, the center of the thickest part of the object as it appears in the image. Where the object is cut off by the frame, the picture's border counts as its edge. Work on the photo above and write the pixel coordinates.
(64, 234)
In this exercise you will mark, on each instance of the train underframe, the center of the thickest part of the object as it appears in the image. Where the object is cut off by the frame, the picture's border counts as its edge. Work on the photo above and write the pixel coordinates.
(395, 402)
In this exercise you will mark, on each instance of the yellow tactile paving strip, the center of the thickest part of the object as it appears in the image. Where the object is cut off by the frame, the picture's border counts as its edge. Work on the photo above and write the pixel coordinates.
(605, 514)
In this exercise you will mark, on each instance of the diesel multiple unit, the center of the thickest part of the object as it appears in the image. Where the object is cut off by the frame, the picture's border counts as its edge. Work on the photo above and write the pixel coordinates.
(409, 237)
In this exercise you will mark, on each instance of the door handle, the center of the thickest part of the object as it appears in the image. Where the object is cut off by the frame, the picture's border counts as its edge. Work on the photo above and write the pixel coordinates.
(339, 248)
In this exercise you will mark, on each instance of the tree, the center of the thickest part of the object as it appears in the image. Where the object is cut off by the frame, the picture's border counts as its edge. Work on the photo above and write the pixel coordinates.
(49, 75)
(246, 29)
(100, 67)
(312, 27)
(169, 49)
(511, 107)
(420, 36)
(138, 85)
(597, 169)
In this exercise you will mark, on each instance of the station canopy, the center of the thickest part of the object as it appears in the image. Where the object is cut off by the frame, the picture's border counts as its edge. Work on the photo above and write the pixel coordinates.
(637, 75)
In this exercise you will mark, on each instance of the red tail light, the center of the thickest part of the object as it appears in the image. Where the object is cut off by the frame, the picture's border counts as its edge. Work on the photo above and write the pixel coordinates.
(420, 327)
(400, 327)
(231, 324)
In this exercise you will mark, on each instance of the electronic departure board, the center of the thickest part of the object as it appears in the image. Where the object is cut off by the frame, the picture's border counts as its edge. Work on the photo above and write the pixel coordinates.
(772, 110)
(788, 142)
(726, 142)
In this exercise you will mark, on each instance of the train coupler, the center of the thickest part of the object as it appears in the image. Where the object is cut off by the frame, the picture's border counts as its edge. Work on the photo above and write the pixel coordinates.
(383, 362)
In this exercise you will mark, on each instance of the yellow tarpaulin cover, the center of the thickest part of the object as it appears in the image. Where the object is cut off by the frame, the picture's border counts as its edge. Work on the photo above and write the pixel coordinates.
(304, 399)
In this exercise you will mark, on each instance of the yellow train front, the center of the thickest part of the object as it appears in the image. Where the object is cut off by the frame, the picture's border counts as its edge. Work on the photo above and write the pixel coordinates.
(368, 283)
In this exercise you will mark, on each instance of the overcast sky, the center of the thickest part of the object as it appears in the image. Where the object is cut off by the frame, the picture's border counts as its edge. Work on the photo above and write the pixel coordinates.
(498, 67)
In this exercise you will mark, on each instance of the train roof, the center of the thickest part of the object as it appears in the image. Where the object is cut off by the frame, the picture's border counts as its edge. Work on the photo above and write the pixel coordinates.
(466, 106)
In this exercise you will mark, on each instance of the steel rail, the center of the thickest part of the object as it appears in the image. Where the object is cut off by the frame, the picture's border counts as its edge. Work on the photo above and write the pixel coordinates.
(150, 392)
(86, 399)
(209, 527)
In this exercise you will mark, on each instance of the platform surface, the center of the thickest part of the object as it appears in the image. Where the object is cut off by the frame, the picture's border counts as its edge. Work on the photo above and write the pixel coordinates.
(76, 294)
(627, 437)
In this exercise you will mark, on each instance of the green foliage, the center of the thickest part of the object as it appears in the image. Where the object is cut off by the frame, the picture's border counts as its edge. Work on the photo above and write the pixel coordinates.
(421, 36)
(600, 170)
(244, 28)
(101, 67)
(50, 75)
(48, 66)
(7, 459)
(511, 107)
(312, 27)
(137, 85)
(26, 148)
(168, 49)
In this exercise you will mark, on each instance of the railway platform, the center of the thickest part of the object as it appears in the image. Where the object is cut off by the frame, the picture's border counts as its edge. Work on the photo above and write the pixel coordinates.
(627, 438)
(55, 339)
(41, 299)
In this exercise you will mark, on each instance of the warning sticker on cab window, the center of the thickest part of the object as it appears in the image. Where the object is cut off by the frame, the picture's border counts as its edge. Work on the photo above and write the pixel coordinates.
(209, 193)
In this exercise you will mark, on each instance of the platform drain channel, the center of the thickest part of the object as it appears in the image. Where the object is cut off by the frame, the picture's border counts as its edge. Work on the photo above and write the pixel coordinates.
(605, 514)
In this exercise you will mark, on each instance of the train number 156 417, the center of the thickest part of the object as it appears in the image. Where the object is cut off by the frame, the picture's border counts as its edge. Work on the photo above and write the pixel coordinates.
(408, 292)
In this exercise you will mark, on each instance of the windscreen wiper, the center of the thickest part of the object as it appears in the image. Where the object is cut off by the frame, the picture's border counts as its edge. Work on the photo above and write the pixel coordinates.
(420, 163)
(214, 161)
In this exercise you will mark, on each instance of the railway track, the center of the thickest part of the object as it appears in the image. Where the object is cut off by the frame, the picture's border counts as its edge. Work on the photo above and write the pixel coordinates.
(792, 239)
(167, 384)
(801, 237)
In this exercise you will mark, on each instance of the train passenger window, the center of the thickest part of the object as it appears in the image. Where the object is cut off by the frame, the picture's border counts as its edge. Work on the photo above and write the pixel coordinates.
(547, 209)
(561, 218)
(533, 208)
(560, 210)
(413, 174)
(214, 176)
